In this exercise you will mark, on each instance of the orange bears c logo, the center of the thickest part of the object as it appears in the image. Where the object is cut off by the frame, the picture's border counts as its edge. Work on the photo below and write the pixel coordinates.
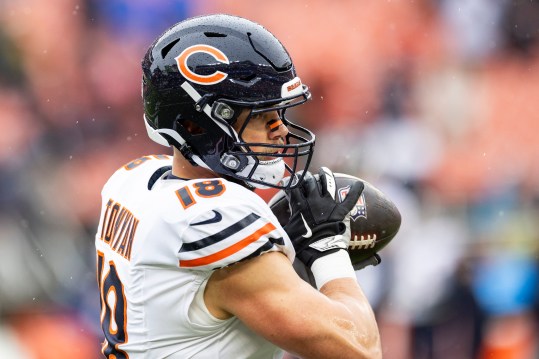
(211, 79)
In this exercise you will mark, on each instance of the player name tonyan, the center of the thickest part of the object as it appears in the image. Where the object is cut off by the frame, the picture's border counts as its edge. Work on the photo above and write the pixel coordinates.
(119, 227)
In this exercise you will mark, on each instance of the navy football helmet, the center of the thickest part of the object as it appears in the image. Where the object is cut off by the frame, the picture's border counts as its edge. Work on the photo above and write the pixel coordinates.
(207, 70)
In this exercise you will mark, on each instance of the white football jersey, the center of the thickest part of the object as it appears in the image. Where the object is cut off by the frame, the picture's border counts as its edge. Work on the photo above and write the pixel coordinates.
(158, 241)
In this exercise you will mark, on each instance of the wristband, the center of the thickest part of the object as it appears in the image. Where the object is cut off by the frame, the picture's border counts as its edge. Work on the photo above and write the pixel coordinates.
(333, 266)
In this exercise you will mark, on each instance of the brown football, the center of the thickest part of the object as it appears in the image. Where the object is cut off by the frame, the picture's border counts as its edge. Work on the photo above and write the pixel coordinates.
(374, 222)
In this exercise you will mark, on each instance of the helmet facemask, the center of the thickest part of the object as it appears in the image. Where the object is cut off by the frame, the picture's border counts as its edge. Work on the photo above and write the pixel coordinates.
(287, 159)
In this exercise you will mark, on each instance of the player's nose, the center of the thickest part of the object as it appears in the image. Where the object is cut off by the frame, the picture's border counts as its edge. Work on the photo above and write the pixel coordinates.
(278, 130)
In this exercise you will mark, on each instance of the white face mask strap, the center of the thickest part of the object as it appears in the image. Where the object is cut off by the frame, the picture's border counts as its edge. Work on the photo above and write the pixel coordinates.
(193, 93)
(206, 108)
(156, 135)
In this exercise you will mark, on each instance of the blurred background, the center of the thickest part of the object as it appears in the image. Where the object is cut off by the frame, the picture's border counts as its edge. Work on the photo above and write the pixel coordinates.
(432, 101)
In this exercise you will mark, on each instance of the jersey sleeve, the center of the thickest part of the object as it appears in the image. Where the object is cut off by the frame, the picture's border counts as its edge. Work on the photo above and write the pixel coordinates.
(234, 230)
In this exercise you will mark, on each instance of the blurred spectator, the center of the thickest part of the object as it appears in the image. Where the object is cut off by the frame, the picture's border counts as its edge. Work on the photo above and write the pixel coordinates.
(137, 20)
(521, 28)
(506, 288)
(474, 28)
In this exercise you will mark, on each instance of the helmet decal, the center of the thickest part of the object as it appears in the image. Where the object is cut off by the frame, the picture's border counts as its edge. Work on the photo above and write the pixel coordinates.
(360, 209)
(211, 79)
(291, 88)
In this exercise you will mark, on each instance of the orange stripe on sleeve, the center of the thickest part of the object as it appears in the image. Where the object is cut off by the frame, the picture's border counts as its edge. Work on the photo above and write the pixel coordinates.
(236, 247)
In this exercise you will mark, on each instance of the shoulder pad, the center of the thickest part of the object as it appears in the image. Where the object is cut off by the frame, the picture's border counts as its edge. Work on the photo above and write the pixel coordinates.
(144, 168)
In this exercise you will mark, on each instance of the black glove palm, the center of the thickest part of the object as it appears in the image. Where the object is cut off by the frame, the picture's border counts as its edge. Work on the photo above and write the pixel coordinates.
(317, 221)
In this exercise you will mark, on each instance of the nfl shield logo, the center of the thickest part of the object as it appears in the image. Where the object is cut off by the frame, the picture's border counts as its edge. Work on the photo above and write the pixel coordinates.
(360, 209)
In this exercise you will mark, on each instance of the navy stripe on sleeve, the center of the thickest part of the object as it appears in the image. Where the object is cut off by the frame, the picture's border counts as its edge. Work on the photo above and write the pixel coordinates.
(222, 235)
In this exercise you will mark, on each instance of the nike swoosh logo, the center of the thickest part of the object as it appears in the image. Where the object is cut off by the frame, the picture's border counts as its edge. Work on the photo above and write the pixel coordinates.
(217, 218)
(309, 232)
(326, 244)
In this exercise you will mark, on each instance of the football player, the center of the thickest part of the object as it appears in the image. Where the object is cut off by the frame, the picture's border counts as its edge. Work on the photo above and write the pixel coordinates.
(191, 262)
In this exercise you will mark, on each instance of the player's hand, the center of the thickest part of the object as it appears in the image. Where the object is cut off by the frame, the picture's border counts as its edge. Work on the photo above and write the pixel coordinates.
(318, 224)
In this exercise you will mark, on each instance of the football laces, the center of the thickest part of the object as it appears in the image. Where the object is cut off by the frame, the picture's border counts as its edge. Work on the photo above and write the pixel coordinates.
(363, 242)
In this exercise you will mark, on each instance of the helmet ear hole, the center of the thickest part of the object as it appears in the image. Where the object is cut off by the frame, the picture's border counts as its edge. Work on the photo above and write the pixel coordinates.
(193, 128)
